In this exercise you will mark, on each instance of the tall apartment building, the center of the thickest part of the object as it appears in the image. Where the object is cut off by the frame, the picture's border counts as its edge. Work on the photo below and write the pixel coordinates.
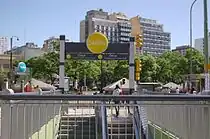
(48, 44)
(156, 40)
(3, 44)
(199, 44)
(182, 49)
(115, 26)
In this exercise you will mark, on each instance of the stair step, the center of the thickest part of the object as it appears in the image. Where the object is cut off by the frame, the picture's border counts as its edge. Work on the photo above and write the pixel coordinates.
(73, 117)
(120, 125)
(66, 136)
(77, 132)
(122, 136)
(120, 130)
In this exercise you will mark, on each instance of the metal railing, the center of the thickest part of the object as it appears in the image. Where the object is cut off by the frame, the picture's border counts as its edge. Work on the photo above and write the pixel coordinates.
(22, 119)
(71, 116)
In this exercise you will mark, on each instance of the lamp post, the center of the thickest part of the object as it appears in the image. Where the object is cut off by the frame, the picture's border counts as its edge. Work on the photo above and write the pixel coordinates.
(11, 61)
(191, 8)
(206, 52)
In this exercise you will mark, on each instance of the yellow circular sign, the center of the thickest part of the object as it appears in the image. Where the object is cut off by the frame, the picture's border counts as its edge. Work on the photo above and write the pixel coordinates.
(97, 43)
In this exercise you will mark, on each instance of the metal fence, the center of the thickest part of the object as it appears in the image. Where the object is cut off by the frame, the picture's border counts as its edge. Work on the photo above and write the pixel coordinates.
(23, 119)
(79, 117)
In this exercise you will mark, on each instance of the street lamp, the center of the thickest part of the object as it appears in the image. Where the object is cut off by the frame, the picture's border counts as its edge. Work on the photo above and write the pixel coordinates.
(191, 8)
(206, 52)
(11, 61)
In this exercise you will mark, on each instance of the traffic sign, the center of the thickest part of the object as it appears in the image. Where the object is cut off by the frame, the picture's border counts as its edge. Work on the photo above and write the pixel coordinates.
(22, 67)
(97, 43)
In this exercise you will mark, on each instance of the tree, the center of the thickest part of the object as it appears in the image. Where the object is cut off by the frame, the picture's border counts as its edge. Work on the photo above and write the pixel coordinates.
(197, 61)
(44, 67)
(149, 68)
(172, 65)
(2, 76)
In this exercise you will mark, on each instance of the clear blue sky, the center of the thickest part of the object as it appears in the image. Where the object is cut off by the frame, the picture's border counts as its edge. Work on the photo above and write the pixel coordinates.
(40, 19)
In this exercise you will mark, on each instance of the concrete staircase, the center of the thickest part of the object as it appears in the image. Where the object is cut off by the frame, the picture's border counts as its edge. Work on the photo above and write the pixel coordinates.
(121, 129)
(77, 127)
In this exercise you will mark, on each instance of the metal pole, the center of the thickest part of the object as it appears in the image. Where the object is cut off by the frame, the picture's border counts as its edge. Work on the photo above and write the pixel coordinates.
(10, 54)
(10, 74)
(206, 52)
(131, 65)
(191, 37)
(101, 90)
(61, 62)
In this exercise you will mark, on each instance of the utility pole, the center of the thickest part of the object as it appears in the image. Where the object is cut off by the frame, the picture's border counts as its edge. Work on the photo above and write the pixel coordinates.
(191, 37)
(11, 60)
(206, 52)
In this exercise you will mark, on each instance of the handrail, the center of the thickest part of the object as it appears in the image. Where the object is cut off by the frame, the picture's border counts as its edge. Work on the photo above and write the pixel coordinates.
(104, 121)
(136, 122)
(105, 97)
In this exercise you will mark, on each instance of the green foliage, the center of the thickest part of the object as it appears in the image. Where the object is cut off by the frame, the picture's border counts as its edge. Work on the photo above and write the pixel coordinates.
(2, 77)
(197, 61)
(172, 65)
(169, 67)
(149, 68)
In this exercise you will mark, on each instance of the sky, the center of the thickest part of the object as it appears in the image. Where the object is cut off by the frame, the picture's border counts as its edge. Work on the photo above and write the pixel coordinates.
(37, 20)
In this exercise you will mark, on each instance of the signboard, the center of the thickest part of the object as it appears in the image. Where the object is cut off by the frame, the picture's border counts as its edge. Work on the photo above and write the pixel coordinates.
(18, 72)
(90, 56)
(21, 67)
(115, 51)
(97, 43)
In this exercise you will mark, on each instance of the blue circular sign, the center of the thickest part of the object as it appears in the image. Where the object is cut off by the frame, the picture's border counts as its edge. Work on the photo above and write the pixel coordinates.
(22, 67)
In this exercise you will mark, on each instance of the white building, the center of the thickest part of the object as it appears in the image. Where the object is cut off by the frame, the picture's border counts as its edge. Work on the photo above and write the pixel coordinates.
(199, 44)
(115, 26)
(3, 44)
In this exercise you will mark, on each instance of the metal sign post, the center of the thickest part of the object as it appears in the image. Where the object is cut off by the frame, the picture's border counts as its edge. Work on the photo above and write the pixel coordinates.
(131, 65)
(61, 63)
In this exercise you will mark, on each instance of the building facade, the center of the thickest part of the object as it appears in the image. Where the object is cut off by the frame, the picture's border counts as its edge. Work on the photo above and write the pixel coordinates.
(48, 44)
(4, 43)
(5, 61)
(182, 49)
(155, 40)
(199, 44)
(27, 51)
(115, 26)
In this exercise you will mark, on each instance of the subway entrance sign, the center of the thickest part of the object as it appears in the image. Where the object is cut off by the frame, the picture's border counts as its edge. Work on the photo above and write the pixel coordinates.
(90, 49)
(97, 43)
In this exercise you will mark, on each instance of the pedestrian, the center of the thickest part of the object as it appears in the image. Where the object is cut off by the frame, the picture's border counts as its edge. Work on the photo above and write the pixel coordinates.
(117, 92)
(28, 87)
(177, 90)
(38, 90)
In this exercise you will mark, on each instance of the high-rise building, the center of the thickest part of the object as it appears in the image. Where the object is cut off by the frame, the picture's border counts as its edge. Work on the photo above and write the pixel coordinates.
(156, 40)
(199, 44)
(48, 44)
(181, 49)
(3, 44)
(115, 26)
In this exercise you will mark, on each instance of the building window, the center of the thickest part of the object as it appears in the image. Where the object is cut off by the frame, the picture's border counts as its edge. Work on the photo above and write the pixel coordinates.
(102, 28)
